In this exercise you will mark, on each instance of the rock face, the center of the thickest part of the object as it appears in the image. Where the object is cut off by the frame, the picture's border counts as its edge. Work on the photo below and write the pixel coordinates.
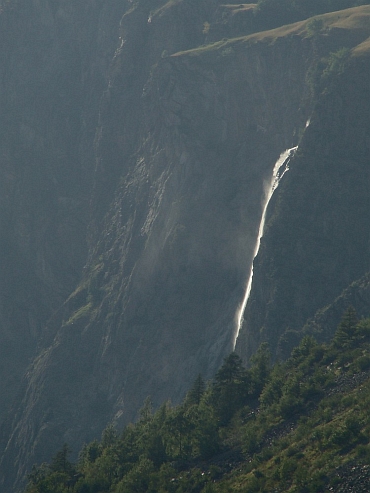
(132, 194)
(53, 71)
(321, 207)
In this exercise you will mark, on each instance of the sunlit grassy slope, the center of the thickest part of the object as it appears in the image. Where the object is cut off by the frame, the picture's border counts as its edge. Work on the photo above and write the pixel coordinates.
(356, 20)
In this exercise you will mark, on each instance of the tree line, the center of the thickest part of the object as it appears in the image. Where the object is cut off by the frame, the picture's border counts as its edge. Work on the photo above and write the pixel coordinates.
(279, 420)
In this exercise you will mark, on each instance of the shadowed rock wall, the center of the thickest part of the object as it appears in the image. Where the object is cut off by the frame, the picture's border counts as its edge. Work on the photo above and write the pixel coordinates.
(164, 157)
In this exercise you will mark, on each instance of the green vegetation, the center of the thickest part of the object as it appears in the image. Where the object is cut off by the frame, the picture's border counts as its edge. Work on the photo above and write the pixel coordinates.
(336, 63)
(314, 26)
(292, 426)
(82, 312)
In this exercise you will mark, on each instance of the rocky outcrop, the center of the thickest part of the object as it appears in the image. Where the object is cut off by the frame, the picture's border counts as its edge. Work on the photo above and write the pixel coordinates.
(185, 137)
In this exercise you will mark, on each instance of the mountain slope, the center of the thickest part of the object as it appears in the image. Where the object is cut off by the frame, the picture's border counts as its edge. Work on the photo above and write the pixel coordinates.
(52, 76)
(172, 184)
(299, 426)
(317, 241)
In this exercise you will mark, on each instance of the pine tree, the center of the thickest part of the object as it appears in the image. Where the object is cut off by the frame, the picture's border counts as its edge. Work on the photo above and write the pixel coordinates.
(196, 392)
(346, 330)
(60, 462)
(230, 388)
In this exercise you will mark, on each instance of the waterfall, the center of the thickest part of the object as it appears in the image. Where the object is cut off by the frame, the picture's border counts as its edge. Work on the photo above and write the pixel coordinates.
(280, 168)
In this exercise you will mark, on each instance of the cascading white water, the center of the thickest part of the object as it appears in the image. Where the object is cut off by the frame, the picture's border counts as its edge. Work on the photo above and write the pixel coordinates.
(280, 168)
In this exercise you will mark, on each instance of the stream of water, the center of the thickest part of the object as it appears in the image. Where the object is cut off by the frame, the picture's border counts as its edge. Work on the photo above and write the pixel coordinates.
(280, 168)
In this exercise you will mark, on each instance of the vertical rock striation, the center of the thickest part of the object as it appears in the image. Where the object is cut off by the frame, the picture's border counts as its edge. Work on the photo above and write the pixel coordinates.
(53, 70)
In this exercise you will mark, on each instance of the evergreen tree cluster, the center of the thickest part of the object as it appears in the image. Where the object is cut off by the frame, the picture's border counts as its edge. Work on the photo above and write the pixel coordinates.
(291, 425)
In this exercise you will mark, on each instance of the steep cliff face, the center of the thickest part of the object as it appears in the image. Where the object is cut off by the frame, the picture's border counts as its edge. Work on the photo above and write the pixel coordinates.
(186, 138)
(53, 64)
(317, 241)
(44, 175)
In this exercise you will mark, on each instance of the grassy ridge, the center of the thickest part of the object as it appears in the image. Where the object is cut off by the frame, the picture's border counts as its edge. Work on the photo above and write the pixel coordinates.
(356, 19)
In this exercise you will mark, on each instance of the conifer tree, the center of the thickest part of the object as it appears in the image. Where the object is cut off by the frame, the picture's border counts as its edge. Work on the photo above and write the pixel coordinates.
(196, 392)
(346, 330)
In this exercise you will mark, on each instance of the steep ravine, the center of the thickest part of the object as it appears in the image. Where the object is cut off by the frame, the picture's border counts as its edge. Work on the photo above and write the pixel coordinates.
(185, 141)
